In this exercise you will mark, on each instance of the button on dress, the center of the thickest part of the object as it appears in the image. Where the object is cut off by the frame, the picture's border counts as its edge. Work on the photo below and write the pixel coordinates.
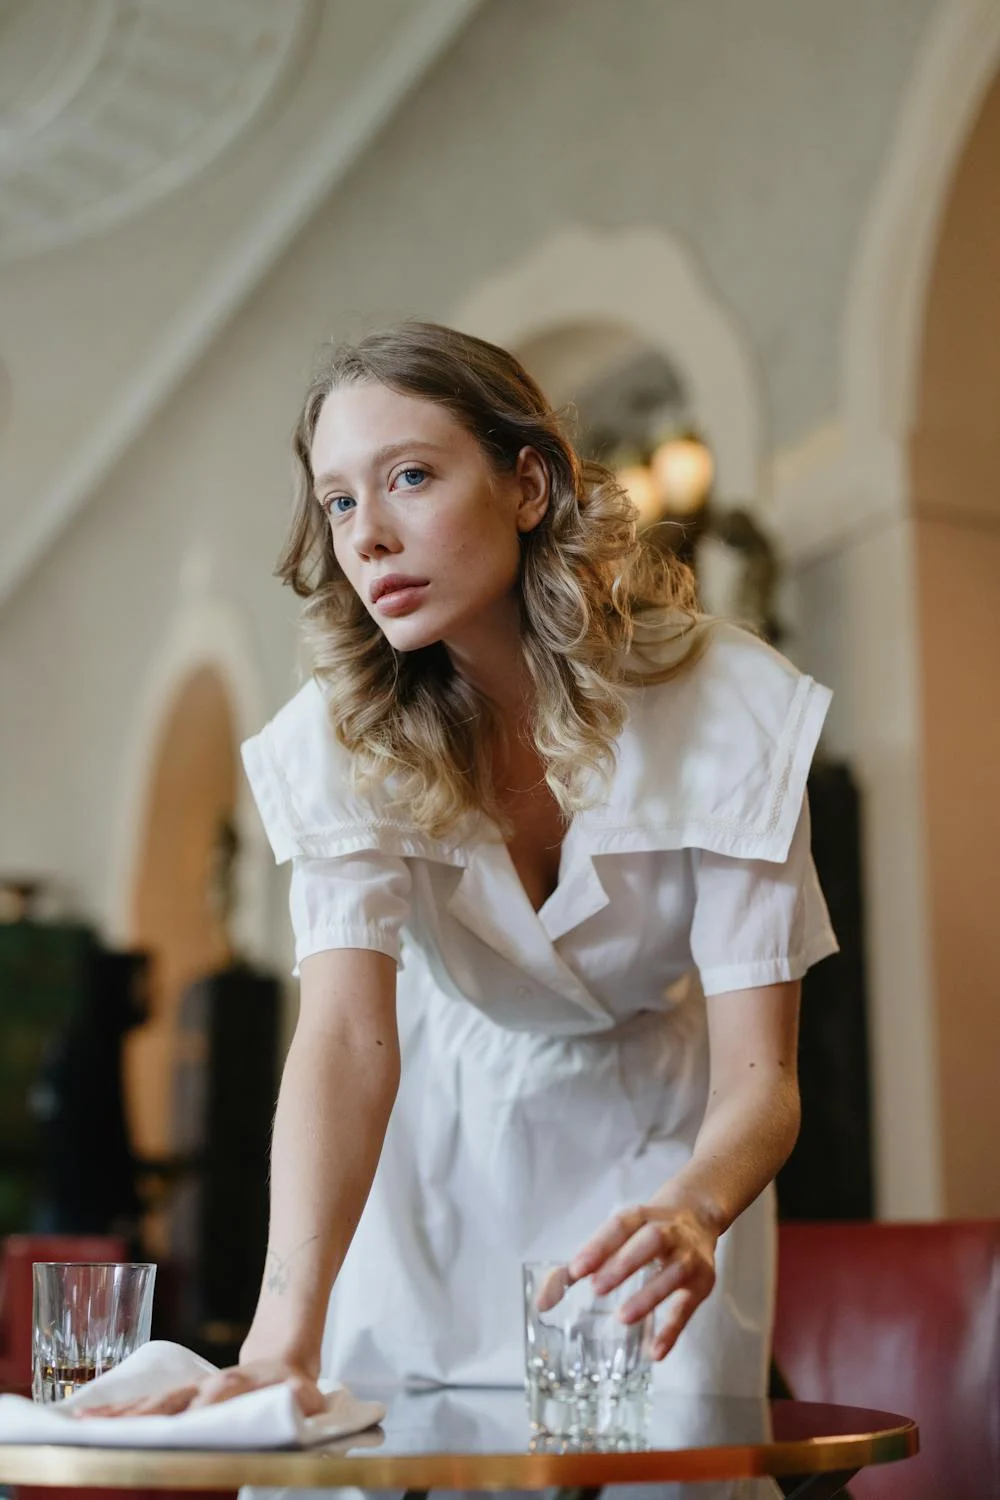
(555, 1063)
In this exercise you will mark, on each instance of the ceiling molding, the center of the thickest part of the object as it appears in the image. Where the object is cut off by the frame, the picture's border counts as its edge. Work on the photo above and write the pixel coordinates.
(107, 108)
(238, 269)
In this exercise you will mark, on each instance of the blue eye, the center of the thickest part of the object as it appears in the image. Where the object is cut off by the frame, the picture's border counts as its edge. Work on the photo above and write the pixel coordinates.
(337, 505)
(407, 474)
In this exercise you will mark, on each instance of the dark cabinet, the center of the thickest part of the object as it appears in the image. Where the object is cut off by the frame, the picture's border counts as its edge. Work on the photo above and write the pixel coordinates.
(829, 1174)
(65, 1004)
(225, 1090)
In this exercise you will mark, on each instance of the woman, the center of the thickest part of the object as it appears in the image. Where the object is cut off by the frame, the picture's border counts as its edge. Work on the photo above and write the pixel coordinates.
(534, 797)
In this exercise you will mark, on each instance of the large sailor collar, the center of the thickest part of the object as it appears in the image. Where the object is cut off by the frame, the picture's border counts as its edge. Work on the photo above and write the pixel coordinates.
(715, 758)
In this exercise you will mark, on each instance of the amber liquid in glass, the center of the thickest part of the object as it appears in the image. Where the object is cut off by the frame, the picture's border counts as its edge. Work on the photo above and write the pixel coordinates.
(56, 1382)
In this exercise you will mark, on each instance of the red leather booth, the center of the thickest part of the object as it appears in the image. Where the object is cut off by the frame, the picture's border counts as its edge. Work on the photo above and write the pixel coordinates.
(902, 1318)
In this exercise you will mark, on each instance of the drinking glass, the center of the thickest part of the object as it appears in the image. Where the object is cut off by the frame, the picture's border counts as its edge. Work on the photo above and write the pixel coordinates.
(87, 1316)
(588, 1374)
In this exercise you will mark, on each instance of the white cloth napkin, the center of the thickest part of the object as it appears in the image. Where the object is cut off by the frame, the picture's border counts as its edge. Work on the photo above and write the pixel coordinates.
(269, 1418)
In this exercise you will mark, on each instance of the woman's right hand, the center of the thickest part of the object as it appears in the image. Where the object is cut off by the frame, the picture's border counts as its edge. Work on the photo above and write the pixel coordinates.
(221, 1385)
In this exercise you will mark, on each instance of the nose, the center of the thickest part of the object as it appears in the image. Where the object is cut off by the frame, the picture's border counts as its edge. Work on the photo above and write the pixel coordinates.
(372, 534)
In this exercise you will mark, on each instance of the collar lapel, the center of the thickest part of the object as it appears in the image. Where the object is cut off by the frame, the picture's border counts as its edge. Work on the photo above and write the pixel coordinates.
(492, 903)
(576, 898)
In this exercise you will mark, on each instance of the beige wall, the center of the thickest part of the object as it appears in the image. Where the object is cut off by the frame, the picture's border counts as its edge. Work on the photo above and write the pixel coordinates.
(858, 630)
(956, 499)
(958, 573)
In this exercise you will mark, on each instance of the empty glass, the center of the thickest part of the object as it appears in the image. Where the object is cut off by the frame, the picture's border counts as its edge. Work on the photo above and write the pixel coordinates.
(87, 1316)
(588, 1374)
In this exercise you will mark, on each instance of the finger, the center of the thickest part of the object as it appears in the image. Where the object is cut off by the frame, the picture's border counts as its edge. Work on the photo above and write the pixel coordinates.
(652, 1242)
(675, 1274)
(553, 1289)
(309, 1396)
(615, 1233)
(224, 1386)
(167, 1405)
(679, 1310)
(110, 1409)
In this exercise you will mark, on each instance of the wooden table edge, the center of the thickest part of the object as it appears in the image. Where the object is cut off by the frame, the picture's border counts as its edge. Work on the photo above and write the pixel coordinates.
(183, 1468)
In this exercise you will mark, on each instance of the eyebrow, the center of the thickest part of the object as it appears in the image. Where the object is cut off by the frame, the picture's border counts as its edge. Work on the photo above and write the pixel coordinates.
(378, 456)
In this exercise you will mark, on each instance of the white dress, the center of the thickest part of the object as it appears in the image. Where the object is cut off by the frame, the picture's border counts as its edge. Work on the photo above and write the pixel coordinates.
(555, 1063)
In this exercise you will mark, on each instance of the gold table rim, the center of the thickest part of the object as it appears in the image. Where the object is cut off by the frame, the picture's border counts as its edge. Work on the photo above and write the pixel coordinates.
(334, 1466)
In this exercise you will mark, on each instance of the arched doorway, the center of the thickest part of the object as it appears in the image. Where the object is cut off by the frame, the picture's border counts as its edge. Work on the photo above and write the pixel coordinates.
(618, 388)
(616, 290)
(955, 487)
(192, 788)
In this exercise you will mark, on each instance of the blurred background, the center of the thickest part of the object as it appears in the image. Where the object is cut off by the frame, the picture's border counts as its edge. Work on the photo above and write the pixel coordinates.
(755, 244)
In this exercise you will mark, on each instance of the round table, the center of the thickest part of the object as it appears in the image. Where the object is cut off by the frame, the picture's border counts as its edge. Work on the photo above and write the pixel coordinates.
(482, 1440)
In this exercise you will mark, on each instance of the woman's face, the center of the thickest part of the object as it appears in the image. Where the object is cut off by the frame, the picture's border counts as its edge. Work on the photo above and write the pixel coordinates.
(424, 528)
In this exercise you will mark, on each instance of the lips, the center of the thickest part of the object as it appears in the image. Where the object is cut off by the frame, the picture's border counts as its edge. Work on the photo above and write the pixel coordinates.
(394, 583)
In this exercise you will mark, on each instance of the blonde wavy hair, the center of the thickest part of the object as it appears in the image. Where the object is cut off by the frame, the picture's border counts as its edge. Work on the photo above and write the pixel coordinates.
(601, 608)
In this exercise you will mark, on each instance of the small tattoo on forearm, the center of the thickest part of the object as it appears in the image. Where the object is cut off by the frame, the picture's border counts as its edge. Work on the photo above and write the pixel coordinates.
(276, 1275)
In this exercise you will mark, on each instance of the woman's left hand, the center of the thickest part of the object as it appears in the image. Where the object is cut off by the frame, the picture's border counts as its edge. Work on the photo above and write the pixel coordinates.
(679, 1247)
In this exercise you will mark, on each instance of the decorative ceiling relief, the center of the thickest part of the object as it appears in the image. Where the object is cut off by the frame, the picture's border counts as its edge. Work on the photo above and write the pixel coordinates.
(108, 105)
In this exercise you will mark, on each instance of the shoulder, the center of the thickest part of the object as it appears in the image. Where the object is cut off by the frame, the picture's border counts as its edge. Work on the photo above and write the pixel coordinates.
(300, 776)
(717, 756)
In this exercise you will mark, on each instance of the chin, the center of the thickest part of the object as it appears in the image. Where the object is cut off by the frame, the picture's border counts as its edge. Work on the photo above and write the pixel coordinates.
(431, 626)
(410, 635)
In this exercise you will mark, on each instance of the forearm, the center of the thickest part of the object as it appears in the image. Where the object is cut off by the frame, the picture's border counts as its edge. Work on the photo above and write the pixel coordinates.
(749, 1127)
(336, 1096)
(745, 1138)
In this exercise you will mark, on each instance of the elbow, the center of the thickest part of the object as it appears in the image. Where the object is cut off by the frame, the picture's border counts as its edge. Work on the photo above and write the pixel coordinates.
(391, 1080)
(791, 1120)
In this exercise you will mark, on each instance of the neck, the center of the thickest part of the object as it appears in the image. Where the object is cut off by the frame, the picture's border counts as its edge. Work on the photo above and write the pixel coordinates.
(489, 655)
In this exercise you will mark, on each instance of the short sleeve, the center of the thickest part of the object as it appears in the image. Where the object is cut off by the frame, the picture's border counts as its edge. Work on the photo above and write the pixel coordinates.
(351, 882)
(301, 780)
(758, 922)
(356, 900)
